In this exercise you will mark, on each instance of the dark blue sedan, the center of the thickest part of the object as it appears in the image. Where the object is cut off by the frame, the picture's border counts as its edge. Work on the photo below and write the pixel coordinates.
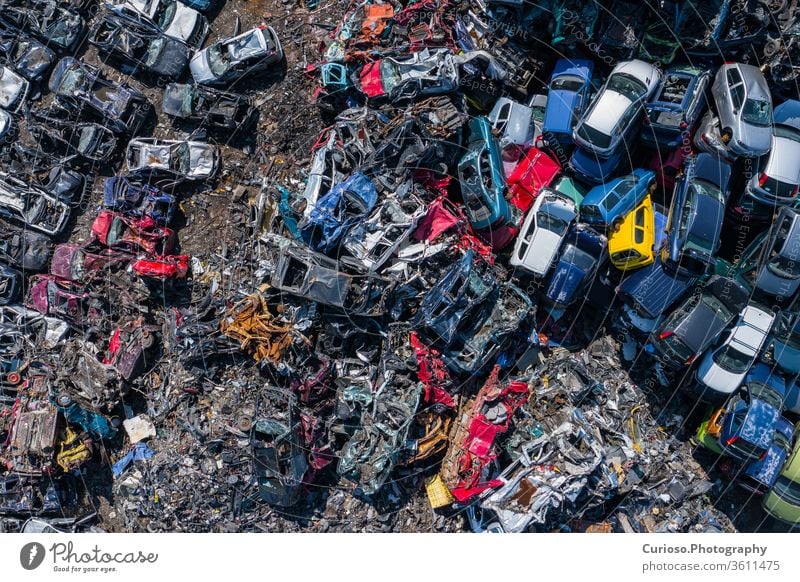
(696, 215)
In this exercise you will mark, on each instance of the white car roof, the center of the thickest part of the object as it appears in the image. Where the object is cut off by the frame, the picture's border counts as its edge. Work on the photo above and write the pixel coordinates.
(641, 70)
(751, 330)
(607, 112)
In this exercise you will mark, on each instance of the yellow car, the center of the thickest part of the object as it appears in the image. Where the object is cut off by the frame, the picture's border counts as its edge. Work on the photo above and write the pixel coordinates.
(631, 240)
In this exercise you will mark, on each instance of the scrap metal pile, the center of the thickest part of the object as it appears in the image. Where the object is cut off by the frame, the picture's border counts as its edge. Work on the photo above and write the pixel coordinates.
(492, 297)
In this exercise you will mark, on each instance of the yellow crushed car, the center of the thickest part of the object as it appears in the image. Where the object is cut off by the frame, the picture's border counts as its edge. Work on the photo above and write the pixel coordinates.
(631, 240)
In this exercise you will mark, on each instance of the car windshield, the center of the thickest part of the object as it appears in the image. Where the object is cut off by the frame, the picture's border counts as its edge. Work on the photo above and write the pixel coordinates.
(72, 81)
(757, 112)
(567, 83)
(165, 14)
(629, 86)
(593, 136)
(778, 188)
(590, 212)
(179, 161)
(785, 267)
(245, 47)
(549, 221)
(154, 51)
(218, 61)
(766, 393)
(390, 74)
(732, 360)
(578, 258)
(787, 489)
(679, 349)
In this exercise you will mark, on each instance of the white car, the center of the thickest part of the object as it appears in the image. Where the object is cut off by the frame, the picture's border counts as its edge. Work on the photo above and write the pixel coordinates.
(616, 111)
(174, 19)
(722, 369)
(232, 58)
(178, 159)
(544, 228)
(13, 90)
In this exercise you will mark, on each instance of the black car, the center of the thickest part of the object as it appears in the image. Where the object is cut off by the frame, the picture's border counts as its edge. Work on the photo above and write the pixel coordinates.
(24, 249)
(26, 55)
(139, 48)
(10, 284)
(217, 111)
(78, 85)
(697, 322)
(54, 25)
(696, 215)
(69, 141)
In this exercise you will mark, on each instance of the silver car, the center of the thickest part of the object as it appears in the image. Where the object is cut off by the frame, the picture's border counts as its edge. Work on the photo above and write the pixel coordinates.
(13, 90)
(778, 178)
(616, 111)
(744, 108)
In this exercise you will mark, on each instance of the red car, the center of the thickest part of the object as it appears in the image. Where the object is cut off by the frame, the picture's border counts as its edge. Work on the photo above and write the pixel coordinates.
(50, 296)
(475, 444)
(534, 172)
(79, 262)
(119, 232)
(162, 268)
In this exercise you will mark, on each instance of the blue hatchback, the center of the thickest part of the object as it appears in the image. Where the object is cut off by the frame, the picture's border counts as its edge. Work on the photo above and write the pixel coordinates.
(483, 182)
(759, 476)
(611, 202)
(748, 427)
(567, 99)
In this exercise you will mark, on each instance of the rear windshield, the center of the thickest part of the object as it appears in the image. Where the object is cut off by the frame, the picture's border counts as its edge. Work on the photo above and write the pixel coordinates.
(567, 83)
(594, 137)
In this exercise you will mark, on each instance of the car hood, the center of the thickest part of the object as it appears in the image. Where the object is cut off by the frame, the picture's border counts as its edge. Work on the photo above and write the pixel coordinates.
(203, 160)
(148, 155)
(183, 23)
(201, 72)
(12, 89)
(565, 283)
(716, 378)
(558, 114)
(770, 283)
(542, 250)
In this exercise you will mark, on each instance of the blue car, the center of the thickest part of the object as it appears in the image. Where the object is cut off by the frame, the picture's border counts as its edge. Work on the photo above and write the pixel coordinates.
(696, 214)
(592, 169)
(677, 106)
(649, 293)
(759, 476)
(749, 423)
(567, 99)
(483, 182)
(786, 342)
(585, 250)
(335, 213)
(609, 203)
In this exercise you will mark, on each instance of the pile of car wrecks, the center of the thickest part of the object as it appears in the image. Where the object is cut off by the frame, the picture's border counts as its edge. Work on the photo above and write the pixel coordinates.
(534, 248)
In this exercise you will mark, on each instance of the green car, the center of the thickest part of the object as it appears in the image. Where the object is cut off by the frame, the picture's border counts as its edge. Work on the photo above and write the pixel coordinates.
(570, 188)
(783, 500)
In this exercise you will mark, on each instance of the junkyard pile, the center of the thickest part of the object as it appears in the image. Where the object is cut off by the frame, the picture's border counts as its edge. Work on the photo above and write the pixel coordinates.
(398, 266)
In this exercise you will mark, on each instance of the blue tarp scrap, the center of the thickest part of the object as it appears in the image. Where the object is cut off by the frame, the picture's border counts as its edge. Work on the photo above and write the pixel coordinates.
(338, 211)
(139, 452)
